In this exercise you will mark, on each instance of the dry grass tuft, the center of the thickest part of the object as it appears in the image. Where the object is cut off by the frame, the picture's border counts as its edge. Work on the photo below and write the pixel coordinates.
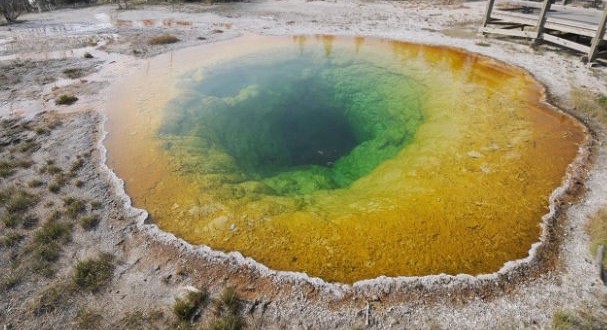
(163, 40)
(94, 274)
(597, 230)
(66, 100)
(590, 104)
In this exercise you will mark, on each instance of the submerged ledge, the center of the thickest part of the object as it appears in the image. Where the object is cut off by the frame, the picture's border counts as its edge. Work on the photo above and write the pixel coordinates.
(538, 260)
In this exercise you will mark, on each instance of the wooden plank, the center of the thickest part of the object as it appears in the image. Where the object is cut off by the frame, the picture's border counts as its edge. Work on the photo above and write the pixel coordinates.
(565, 43)
(488, 12)
(541, 20)
(538, 5)
(550, 24)
(600, 35)
(506, 32)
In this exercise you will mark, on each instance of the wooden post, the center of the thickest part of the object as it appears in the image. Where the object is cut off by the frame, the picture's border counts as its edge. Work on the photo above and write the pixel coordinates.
(600, 254)
(596, 41)
(539, 28)
(488, 12)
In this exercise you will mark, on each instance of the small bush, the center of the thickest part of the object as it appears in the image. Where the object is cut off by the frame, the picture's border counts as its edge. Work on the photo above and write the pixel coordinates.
(73, 73)
(163, 40)
(90, 222)
(93, 274)
(96, 205)
(66, 100)
(88, 55)
(185, 309)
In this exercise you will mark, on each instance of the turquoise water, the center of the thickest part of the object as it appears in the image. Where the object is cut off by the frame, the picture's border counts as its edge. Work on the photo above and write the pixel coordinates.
(297, 124)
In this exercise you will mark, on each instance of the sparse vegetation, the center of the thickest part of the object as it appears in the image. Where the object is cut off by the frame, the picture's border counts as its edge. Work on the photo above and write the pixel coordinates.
(54, 187)
(89, 222)
(74, 207)
(77, 165)
(226, 307)
(35, 183)
(569, 320)
(52, 232)
(11, 239)
(88, 320)
(9, 281)
(54, 297)
(597, 230)
(227, 322)
(29, 146)
(6, 169)
(20, 202)
(73, 73)
(163, 40)
(11, 220)
(93, 274)
(185, 309)
(66, 100)
(96, 205)
(589, 104)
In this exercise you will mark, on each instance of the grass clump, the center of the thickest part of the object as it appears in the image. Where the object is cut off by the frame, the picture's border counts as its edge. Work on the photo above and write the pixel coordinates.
(21, 202)
(53, 232)
(185, 309)
(35, 183)
(88, 320)
(73, 73)
(53, 297)
(226, 307)
(6, 169)
(597, 230)
(89, 222)
(54, 187)
(568, 320)
(66, 100)
(11, 239)
(9, 281)
(93, 274)
(74, 207)
(590, 104)
(163, 40)
(77, 165)
(29, 146)
(227, 322)
(11, 220)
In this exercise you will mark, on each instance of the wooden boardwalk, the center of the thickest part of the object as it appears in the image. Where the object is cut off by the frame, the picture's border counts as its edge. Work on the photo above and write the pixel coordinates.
(581, 29)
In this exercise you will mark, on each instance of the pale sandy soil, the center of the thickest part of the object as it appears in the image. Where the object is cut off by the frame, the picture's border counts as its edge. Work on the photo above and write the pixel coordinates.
(152, 268)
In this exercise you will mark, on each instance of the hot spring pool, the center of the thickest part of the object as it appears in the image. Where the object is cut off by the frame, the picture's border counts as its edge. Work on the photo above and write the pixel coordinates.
(344, 158)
